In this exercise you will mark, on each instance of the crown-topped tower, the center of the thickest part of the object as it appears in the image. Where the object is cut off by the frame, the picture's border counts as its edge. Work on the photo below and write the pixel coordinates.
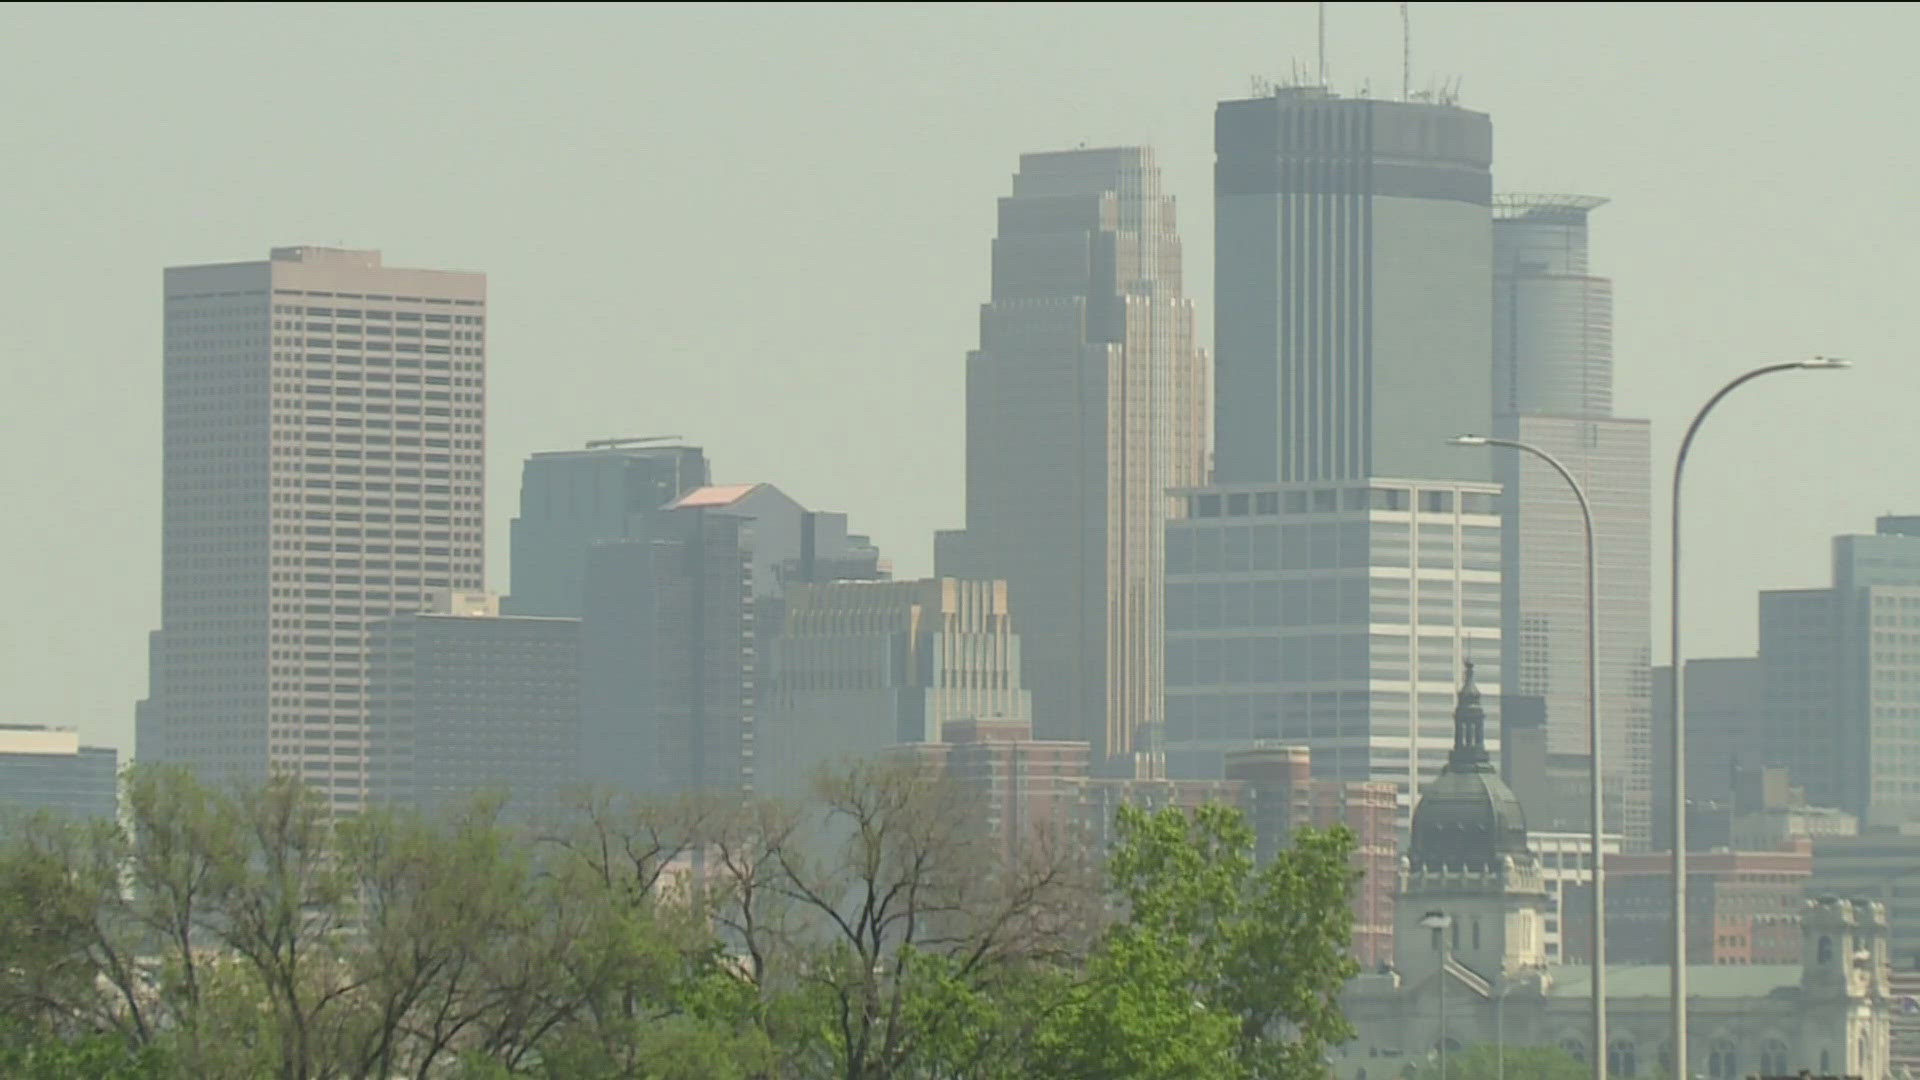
(1468, 859)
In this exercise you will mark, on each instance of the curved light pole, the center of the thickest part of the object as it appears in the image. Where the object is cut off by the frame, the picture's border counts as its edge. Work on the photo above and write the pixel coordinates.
(1597, 932)
(1679, 754)
(1440, 922)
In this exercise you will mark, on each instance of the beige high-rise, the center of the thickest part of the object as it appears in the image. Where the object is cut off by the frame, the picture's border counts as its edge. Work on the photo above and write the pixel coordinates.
(1086, 404)
(323, 466)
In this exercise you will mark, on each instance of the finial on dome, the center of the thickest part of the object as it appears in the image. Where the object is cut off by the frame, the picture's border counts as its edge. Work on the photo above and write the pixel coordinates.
(1469, 724)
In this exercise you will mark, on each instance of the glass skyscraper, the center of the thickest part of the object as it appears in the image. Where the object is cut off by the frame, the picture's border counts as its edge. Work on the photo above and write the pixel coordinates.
(1327, 588)
(1335, 617)
(1352, 253)
(1086, 405)
(1840, 677)
(1553, 388)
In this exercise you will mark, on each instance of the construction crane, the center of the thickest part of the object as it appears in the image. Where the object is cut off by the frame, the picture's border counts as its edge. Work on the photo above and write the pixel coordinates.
(631, 440)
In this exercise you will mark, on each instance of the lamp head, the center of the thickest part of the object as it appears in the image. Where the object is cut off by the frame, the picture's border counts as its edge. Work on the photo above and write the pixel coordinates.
(1825, 363)
(1467, 440)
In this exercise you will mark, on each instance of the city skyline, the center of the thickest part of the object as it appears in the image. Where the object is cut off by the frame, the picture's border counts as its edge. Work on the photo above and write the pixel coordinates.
(1672, 232)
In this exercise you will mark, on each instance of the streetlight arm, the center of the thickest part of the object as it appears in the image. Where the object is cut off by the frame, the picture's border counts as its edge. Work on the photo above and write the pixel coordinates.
(1597, 933)
(1678, 756)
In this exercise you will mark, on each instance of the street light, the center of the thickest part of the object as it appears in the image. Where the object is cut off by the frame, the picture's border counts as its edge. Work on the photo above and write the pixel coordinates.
(1679, 754)
(1439, 922)
(1597, 933)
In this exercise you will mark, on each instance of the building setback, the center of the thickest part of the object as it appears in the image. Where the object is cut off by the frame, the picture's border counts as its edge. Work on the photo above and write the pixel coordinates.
(1085, 405)
(464, 702)
(46, 769)
(1553, 388)
(322, 467)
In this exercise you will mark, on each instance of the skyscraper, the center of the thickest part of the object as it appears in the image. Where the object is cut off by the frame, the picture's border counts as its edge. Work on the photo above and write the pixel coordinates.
(1553, 388)
(1085, 406)
(677, 627)
(322, 468)
(860, 666)
(1352, 252)
(462, 700)
(1344, 564)
(571, 499)
(1840, 677)
(1332, 617)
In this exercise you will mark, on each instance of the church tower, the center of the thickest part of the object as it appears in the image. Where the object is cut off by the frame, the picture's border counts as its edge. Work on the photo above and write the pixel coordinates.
(1468, 863)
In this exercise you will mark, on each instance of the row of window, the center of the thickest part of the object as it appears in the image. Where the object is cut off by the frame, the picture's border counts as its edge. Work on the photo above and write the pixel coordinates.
(1338, 500)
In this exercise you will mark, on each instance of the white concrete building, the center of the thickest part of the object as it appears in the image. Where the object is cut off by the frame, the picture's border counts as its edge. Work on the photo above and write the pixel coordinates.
(322, 468)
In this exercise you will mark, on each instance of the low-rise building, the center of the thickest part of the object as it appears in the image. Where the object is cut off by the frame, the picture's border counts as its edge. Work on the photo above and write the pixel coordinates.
(463, 700)
(1743, 907)
(46, 768)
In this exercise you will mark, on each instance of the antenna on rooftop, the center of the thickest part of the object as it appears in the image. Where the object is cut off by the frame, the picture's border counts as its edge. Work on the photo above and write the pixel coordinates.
(1406, 53)
(630, 440)
(1323, 45)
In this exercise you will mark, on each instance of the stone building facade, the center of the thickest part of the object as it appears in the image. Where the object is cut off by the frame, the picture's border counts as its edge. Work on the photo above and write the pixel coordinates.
(1470, 965)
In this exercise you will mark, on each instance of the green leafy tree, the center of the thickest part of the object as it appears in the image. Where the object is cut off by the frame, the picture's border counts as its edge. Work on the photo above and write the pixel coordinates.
(1488, 1062)
(1216, 968)
(28, 1055)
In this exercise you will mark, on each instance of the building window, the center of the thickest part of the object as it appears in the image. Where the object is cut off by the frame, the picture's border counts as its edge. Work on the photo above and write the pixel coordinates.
(1723, 1063)
(1389, 498)
(1773, 1058)
(1621, 1060)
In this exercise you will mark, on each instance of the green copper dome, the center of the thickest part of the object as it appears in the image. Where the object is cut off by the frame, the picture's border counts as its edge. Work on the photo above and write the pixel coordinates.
(1467, 818)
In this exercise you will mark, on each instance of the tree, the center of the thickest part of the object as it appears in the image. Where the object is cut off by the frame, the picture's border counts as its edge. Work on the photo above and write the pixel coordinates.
(1487, 1062)
(880, 931)
(1215, 968)
(889, 920)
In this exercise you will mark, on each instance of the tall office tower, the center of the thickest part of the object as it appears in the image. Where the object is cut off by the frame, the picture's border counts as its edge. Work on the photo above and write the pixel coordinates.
(47, 769)
(572, 499)
(1333, 617)
(1840, 675)
(322, 468)
(1553, 388)
(1726, 727)
(463, 701)
(1085, 405)
(860, 666)
(676, 627)
(1352, 252)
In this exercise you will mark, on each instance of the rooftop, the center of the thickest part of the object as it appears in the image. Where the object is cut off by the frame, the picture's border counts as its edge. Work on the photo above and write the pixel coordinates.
(713, 495)
(1654, 980)
(1562, 209)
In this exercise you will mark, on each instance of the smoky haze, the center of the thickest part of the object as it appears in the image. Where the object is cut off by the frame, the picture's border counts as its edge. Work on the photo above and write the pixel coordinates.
(767, 228)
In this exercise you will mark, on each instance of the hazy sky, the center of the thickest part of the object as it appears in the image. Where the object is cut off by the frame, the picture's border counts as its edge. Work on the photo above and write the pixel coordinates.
(766, 229)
